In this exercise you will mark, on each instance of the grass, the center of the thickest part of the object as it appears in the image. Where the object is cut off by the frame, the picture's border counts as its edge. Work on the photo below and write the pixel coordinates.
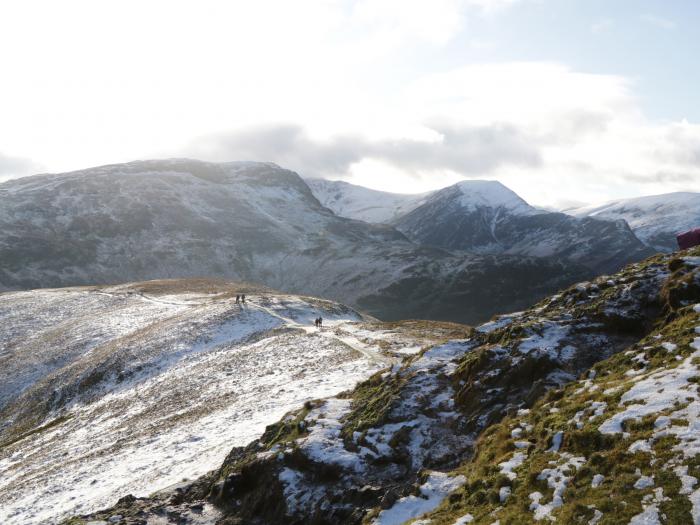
(605, 454)
(53, 423)
(372, 401)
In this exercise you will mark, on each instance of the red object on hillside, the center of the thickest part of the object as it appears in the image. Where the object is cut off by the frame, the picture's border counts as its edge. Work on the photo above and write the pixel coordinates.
(688, 239)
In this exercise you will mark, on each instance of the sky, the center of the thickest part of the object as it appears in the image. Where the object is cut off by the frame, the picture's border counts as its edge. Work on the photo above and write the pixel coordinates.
(567, 102)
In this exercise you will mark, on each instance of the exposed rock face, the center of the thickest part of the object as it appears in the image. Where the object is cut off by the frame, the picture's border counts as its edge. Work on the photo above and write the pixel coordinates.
(496, 425)
(245, 221)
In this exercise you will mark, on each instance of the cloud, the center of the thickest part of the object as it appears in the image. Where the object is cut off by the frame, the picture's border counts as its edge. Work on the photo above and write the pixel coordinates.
(680, 145)
(285, 144)
(13, 167)
(462, 149)
(433, 21)
(551, 133)
(661, 177)
(659, 21)
(383, 92)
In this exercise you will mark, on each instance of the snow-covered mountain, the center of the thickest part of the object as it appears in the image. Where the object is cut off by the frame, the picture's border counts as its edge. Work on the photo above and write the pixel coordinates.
(107, 391)
(486, 217)
(655, 219)
(245, 221)
(583, 408)
(364, 204)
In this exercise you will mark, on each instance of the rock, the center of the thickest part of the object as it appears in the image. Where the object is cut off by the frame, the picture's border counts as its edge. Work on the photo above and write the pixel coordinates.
(129, 498)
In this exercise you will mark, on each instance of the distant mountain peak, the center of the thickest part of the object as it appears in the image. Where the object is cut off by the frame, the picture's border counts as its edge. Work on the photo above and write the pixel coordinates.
(655, 219)
(488, 194)
(480, 216)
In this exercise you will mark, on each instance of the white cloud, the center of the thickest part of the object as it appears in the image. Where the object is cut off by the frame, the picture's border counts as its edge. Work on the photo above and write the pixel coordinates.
(593, 139)
(13, 167)
(434, 21)
(86, 83)
(553, 134)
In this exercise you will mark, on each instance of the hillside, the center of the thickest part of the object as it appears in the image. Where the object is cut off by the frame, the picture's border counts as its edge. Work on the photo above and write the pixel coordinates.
(655, 219)
(486, 217)
(106, 391)
(254, 222)
(580, 409)
(364, 204)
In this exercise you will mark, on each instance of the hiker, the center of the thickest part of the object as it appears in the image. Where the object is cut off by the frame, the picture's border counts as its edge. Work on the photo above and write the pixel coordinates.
(320, 322)
(238, 298)
(316, 322)
(243, 298)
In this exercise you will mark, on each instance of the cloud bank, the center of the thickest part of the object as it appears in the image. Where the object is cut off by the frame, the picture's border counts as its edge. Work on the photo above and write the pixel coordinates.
(555, 135)
(467, 150)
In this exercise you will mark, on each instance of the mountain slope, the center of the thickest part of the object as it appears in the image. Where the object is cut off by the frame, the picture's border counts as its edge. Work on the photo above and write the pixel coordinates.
(486, 217)
(364, 204)
(655, 219)
(245, 221)
(106, 391)
(495, 427)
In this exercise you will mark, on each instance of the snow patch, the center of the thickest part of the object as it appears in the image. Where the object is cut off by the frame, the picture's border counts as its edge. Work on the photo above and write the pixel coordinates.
(597, 480)
(437, 487)
(557, 479)
(507, 467)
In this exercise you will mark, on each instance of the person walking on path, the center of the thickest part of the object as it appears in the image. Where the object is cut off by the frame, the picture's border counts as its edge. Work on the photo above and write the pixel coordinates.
(238, 299)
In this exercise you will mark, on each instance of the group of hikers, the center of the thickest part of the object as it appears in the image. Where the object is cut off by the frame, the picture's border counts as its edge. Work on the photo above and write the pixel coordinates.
(318, 322)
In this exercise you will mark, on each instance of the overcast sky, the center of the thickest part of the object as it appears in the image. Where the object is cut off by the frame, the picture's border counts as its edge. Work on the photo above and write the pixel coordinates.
(564, 101)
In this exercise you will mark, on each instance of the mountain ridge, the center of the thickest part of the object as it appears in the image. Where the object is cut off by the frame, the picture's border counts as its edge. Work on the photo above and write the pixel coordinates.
(486, 217)
(243, 221)
(494, 220)
(655, 219)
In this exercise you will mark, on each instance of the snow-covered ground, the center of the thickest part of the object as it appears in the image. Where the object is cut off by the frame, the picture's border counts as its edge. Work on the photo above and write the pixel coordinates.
(187, 377)
(364, 204)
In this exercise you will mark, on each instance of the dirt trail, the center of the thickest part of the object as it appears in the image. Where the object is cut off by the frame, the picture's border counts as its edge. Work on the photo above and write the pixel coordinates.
(330, 332)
